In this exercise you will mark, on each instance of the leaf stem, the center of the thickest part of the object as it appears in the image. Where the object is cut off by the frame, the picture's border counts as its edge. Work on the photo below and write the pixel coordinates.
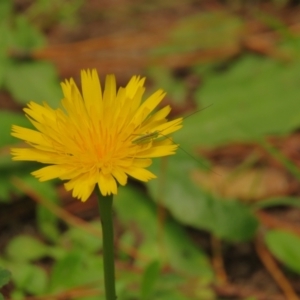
(105, 209)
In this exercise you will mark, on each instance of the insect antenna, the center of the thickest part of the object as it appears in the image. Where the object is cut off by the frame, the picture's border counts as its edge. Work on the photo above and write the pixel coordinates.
(189, 154)
(195, 112)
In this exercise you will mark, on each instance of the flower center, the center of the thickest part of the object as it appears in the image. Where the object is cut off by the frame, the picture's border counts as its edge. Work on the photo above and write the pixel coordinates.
(105, 166)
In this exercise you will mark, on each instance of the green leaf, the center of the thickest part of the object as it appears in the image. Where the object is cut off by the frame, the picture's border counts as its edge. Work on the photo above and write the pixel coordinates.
(74, 269)
(65, 271)
(150, 276)
(26, 37)
(193, 206)
(26, 248)
(134, 207)
(5, 276)
(33, 81)
(30, 278)
(81, 240)
(255, 97)
(182, 254)
(17, 35)
(285, 246)
(234, 221)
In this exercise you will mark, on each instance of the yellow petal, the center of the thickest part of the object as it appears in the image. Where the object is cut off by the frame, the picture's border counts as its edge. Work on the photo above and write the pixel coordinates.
(140, 174)
(49, 172)
(107, 184)
(120, 175)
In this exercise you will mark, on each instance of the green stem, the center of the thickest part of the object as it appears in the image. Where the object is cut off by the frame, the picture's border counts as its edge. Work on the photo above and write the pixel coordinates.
(105, 208)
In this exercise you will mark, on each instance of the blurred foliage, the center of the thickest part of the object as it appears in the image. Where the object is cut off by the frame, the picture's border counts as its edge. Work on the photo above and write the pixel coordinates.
(18, 75)
(209, 30)
(252, 97)
(284, 246)
(46, 13)
(192, 205)
(256, 96)
(5, 276)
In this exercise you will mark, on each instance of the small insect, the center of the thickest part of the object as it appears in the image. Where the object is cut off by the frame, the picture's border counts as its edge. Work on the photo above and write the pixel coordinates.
(147, 137)
(150, 136)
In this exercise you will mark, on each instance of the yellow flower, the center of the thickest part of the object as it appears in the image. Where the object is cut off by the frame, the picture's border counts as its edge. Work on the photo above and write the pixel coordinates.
(97, 137)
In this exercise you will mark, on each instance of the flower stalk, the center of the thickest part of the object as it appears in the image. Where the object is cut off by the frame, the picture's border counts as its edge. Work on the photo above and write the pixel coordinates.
(97, 138)
(105, 210)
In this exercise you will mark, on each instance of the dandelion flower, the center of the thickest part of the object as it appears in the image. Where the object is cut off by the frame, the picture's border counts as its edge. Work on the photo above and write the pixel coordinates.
(97, 137)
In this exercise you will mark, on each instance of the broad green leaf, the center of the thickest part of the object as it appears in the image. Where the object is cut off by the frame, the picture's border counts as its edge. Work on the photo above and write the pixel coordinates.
(28, 277)
(178, 250)
(256, 96)
(285, 246)
(93, 271)
(5, 276)
(26, 36)
(83, 241)
(150, 276)
(234, 221)
(76, 268)
(191, 205)
(18, 36)
(26, 248)
(37, 282)
(33, 81)
(65, 271)
(182, 253)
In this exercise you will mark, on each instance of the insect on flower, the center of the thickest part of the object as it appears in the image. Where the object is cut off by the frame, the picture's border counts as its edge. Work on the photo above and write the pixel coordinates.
(147, 137)
(151, 136)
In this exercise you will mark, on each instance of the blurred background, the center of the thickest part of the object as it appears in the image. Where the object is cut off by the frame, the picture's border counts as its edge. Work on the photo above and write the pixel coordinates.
(222, 220)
